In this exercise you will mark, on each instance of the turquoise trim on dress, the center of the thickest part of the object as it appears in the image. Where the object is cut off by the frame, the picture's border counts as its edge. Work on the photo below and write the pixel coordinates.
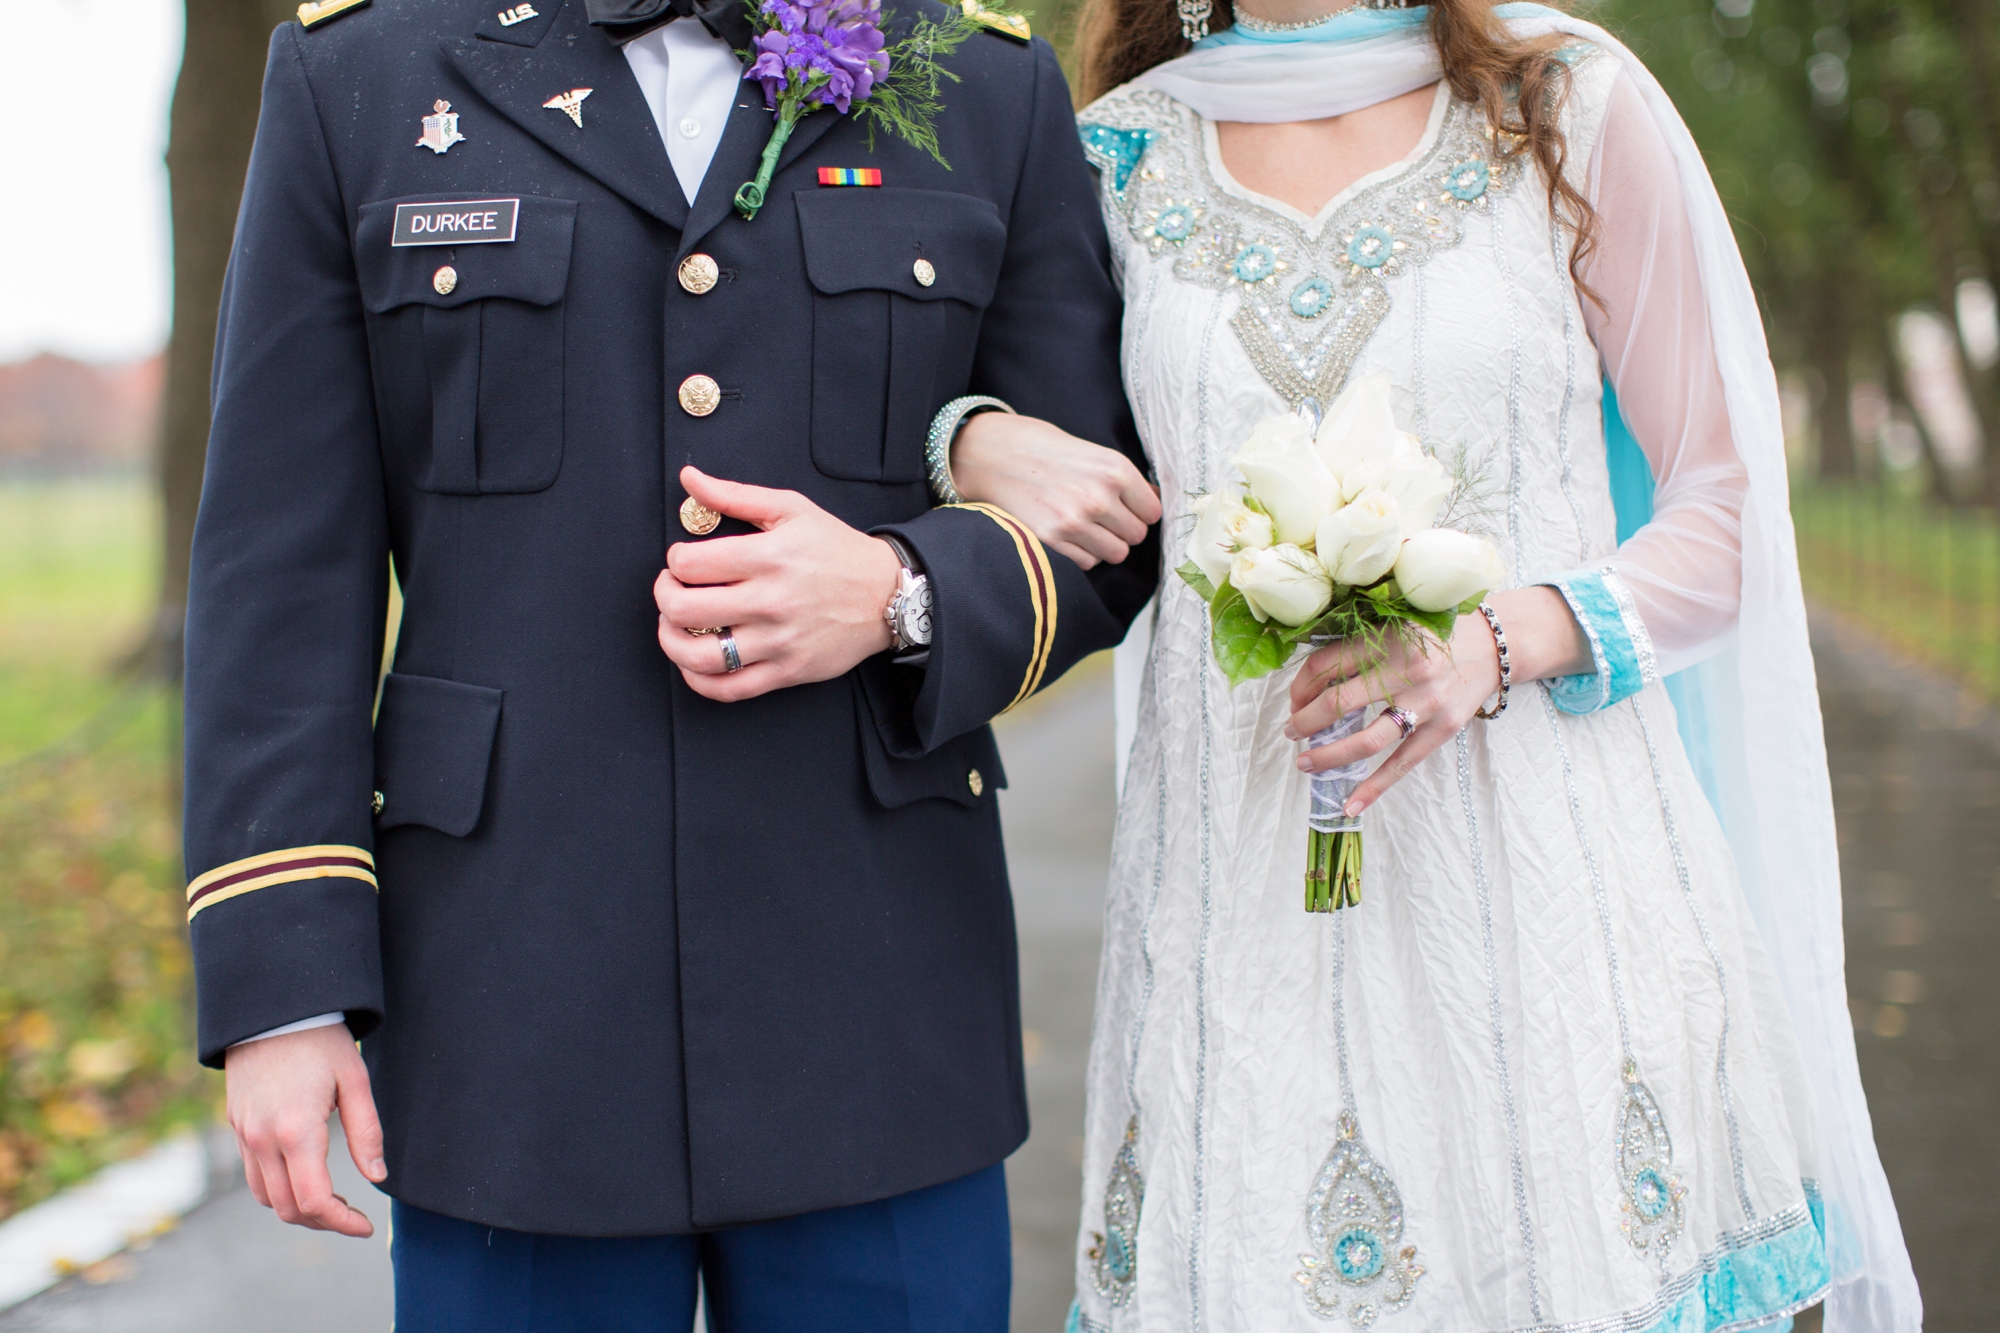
(1621, 652)
(1115, 150)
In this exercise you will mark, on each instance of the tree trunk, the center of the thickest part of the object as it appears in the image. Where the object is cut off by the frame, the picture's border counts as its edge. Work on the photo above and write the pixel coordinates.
(213, 119)
(1830, 350)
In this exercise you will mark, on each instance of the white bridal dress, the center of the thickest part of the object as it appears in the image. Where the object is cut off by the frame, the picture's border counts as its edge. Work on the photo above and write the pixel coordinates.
(1548, 1074)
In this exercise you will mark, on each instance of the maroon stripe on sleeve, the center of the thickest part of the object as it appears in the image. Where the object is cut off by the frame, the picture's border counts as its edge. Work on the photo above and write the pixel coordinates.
(280, 867)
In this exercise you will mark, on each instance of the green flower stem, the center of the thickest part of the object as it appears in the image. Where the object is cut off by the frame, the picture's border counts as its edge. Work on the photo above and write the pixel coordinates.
(1333, 870)
(750, 195)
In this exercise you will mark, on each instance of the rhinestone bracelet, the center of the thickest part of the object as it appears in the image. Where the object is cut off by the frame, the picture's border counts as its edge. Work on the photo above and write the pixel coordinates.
(944, 429)
(1506, 668)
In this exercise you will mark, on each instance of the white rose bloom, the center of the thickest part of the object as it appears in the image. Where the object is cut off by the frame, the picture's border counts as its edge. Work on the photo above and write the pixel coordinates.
(1420, 487)
(1282, 583)
(1358, 544)
(1360, 427)
(1439, 568)
(1288, 478)
(1369, 474)
(1223, 526)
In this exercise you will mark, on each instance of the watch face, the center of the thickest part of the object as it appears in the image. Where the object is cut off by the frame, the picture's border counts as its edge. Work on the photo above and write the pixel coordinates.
(913, 614)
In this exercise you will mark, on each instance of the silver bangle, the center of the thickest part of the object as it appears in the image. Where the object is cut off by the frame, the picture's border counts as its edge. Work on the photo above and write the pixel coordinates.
(1506, 667)
(944, 429)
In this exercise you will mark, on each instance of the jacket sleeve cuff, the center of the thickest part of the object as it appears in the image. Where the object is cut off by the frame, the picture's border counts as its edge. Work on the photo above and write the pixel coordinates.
(1006, 617)
(282, 935)
(1620, 649)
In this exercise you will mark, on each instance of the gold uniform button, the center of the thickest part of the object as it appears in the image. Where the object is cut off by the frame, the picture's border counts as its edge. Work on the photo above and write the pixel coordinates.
(376, 804)
(700, 520)
(444, 280)
(926, 275)
(698, 274)
(977, 783)
(699, 395)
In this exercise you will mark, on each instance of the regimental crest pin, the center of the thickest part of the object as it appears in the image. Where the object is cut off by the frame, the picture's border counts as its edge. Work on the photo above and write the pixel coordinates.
(570, 103)
(441, 128)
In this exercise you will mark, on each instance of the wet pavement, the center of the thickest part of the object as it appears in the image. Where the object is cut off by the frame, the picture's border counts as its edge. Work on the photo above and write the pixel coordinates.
(1916, 774)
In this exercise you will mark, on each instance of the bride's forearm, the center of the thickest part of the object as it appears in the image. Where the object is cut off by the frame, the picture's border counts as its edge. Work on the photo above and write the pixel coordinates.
(1543, 638)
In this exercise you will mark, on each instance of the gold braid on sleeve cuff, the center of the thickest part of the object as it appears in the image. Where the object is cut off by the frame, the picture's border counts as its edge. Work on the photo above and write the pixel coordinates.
(1041, 593)
(280, 867)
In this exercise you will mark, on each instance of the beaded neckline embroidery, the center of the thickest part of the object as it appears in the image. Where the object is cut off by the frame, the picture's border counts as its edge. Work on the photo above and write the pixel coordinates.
(1311, 296)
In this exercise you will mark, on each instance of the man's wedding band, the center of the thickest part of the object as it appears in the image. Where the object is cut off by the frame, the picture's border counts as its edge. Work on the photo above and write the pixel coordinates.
(1405, 720)
(698, 631)
(732, 661)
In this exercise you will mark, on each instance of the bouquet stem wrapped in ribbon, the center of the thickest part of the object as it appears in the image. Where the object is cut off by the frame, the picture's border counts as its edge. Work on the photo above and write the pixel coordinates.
(1325, 531)
(832, 53)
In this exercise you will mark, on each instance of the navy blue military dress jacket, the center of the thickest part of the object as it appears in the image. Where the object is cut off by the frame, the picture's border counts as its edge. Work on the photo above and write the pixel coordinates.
(625, 961)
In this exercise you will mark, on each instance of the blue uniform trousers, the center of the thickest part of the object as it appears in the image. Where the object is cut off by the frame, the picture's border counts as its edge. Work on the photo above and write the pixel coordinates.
(935, 1260)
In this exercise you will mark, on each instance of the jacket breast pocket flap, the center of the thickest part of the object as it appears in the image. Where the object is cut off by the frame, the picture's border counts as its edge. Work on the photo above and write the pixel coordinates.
(900, 281)
(433, 748)
(964, 770)
(467, 339)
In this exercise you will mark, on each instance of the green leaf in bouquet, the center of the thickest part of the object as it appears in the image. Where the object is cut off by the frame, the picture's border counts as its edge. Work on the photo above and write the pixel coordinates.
(1244, 648)
(1192, 576)
(1471, 604)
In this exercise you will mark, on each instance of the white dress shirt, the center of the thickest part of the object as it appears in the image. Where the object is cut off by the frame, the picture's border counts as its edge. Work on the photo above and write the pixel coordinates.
(689, 77)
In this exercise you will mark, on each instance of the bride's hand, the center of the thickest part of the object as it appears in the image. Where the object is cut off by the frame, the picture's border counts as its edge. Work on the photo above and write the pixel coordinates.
(1441, 686)
(1081, 499)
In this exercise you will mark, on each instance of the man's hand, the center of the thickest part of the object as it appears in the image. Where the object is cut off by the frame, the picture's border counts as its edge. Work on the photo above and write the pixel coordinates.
(804, 597)
(281, 1090)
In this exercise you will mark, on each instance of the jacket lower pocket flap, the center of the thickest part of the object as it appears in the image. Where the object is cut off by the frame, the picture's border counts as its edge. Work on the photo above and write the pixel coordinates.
(433, 747)
(965, 769)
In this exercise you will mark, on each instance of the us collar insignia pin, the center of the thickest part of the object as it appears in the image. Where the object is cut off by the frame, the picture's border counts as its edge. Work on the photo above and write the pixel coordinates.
(441, 130)
(570, 103)
(517, 14)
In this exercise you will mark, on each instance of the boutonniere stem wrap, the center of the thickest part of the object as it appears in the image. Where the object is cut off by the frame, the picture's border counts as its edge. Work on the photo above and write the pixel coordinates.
(833, 53)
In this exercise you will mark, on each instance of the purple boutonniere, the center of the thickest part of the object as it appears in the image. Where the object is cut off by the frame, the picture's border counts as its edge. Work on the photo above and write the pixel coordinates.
(832, 53)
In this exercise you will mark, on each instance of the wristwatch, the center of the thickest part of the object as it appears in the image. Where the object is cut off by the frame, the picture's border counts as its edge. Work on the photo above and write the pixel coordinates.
(909, 609)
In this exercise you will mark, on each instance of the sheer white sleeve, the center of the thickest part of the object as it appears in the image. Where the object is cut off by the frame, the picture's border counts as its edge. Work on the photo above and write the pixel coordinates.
(1684, 568)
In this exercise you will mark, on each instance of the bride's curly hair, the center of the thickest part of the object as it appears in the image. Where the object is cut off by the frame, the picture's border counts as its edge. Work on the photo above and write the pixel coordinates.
(1520, 84)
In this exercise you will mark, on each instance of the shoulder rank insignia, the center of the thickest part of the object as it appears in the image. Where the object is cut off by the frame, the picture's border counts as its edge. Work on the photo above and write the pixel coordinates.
(315, 12)
(1007, 25)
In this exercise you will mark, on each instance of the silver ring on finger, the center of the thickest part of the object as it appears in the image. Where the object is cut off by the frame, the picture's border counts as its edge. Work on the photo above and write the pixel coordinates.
(732, 661)
(1405, 720)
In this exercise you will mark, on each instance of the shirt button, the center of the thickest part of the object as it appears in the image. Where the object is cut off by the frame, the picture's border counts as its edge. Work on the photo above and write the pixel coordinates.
(699, 395)
(690, 127)
(698, 274)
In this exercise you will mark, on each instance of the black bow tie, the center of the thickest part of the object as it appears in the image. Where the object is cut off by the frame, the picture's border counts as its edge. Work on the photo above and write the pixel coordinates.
(622, 20)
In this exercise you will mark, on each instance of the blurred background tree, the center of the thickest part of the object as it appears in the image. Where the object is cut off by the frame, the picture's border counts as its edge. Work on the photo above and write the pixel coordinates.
(1856, 144)
(210, 127)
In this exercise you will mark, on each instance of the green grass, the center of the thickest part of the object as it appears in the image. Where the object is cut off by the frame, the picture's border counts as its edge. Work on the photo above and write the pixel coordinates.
(1921, 576)
(95, 1058)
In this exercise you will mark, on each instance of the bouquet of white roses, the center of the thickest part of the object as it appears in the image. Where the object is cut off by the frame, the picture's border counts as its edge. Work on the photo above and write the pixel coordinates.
(1324, 531)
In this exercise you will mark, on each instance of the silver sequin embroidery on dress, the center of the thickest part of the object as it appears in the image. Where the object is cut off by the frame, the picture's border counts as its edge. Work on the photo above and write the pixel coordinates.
(1114, 1258)
(1311, 296)
(1354, 1212)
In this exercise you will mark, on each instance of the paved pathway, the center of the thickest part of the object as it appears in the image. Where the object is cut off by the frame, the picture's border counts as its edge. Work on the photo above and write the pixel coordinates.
(1917, 782)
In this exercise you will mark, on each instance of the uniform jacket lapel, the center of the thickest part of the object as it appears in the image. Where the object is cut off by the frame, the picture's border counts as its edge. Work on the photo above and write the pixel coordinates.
(735, 161)
(618, 144)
